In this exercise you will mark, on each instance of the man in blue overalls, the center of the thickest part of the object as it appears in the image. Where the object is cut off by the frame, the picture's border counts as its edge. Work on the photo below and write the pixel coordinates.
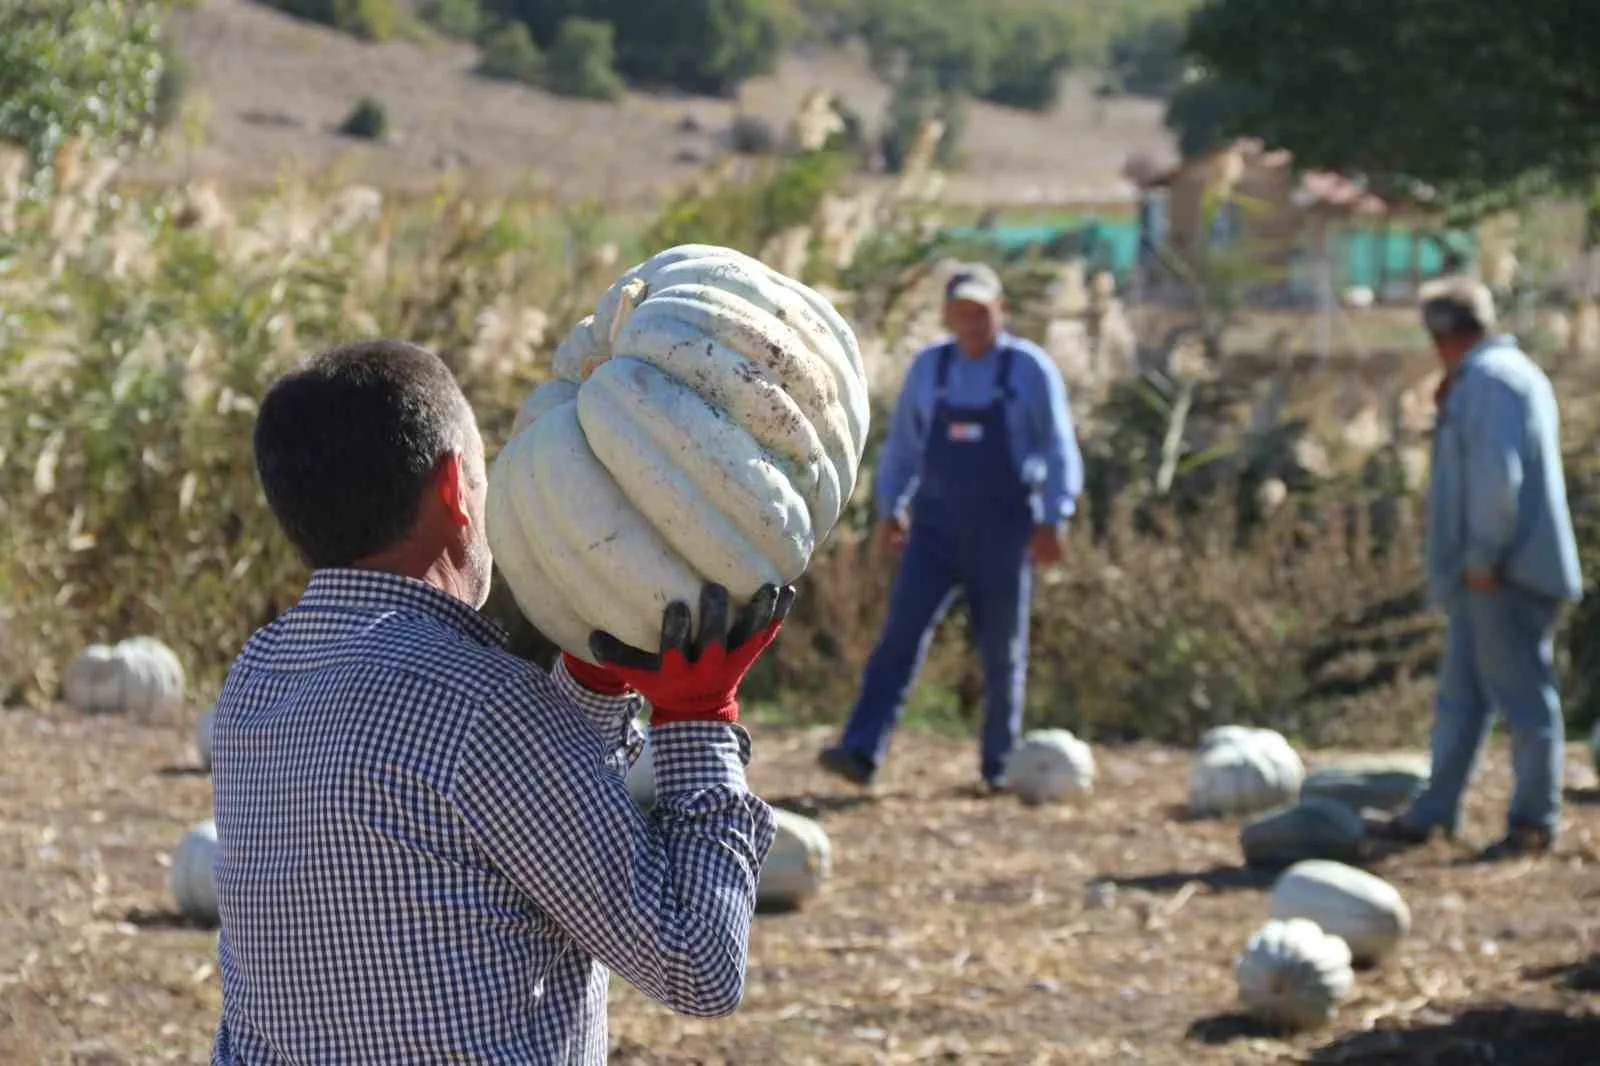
(982, 446)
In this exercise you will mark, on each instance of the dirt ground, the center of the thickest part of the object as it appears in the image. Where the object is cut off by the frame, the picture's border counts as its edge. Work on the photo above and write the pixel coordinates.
(953, 930)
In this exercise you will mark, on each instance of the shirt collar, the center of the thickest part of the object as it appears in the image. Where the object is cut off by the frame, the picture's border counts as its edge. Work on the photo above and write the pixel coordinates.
(349, 589)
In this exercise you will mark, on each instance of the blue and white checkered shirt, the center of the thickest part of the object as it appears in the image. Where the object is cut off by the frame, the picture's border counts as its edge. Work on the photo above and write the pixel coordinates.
(427, 853)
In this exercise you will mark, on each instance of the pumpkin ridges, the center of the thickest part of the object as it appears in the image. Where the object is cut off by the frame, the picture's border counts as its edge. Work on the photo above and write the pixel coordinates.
(537, 595)
(673, 486)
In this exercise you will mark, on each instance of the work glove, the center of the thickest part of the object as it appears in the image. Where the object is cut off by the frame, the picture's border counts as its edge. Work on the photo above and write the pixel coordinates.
(696, 679)
(596, 679)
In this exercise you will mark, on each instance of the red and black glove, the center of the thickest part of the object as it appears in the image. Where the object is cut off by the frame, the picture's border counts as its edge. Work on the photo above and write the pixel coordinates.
(698, 680)
(596, 679)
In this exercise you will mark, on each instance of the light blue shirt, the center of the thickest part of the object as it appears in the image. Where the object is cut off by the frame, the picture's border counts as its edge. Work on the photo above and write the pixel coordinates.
(1043, 443)
(1497, 496)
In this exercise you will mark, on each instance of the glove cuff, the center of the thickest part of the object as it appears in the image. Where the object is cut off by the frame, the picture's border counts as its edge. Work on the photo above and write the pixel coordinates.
(726, 712)
(596, 679)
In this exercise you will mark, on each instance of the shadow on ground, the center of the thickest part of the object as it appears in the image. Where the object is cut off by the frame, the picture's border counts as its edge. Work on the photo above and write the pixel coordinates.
(155, 920)
(1504, 1036)
(1581, 976)
(1584, 797)
(1217, 879)
(183, 771)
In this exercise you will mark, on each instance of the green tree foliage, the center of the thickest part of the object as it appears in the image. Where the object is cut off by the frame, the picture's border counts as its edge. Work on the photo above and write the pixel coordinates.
(368, 120)
(1147, 59)
(375, 20)
(582, 61)
(1471, 98)
(454, 18)
(78, 67)
(698, 45)
(509, 54)
(919, 96)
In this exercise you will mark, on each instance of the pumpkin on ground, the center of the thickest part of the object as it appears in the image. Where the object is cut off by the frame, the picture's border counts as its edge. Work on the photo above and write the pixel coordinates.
(705, 424)
(1381, 782)
(799, 862)
(1047, 765)
(1365, 910)
(194, 879)
(1293, 974)
(1315, 828)
(202, 737)
(1238, 770)
(139, 676)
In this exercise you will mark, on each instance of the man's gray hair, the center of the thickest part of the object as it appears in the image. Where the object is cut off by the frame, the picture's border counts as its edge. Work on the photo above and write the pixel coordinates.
(1457, 304)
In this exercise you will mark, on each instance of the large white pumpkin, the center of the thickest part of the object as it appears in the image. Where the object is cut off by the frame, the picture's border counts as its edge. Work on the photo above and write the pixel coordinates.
(1366, 911)
(1293, 974)
(798, 864)
(138, 676)
(1048, 765)
(706, 423)
(1238, 770)
(194, 880)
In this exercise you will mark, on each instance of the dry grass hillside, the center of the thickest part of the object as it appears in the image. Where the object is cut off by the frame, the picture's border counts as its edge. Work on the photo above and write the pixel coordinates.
(269, 88)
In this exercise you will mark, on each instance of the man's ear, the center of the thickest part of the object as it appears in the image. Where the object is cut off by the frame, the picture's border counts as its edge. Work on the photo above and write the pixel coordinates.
(450, 483)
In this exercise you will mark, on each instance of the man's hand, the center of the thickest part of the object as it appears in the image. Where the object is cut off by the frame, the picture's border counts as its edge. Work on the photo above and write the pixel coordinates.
(891, 535)
(1481, 582)
(1045, 546)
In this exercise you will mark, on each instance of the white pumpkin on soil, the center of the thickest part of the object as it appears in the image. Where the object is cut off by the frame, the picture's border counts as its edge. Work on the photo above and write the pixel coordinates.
(1366, 911)
(139, 676)
(799, 862)
(1049, 765)
(194, 879)
(706, 423)
(1293, 974)
(1239, 770)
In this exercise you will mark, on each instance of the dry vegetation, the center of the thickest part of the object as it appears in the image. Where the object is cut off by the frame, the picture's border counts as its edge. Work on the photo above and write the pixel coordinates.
(954, 930)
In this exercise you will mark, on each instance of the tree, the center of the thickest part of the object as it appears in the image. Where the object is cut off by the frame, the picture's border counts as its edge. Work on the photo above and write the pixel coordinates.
(581, 61)
(1483, 107)
(1147, 59)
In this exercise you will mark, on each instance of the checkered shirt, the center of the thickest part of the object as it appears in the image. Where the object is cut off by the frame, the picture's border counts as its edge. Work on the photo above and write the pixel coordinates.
(427, 853)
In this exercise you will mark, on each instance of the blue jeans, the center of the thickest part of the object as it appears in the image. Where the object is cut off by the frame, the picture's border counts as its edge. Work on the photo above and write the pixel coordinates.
(1499, 656)
(998, 580)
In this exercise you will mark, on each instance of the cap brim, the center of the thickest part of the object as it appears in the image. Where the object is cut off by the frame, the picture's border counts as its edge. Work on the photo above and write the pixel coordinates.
(973, 292)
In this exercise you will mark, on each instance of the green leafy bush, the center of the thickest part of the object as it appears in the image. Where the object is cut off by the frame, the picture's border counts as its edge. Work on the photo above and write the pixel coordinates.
(509, 54)
(582, 60)
(454, 18)
(374, 20)
(71, 68)
(368, 120)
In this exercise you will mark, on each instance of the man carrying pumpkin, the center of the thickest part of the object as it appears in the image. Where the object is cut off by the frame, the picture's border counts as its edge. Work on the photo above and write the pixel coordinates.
(426, 849)
(976, 481)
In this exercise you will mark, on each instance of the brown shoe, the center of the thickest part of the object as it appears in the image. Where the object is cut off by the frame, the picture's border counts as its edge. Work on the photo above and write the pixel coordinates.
(1520, 842)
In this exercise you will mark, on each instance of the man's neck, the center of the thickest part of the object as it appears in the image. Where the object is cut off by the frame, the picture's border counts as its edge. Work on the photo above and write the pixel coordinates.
(980, 351)
(438, 572)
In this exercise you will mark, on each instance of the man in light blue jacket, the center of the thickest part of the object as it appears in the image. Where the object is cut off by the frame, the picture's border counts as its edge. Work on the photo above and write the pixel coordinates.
(1502, 559)
(978, 477)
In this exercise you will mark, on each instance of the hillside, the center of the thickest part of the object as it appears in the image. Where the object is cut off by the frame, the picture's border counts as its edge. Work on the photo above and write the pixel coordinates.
(272, 89)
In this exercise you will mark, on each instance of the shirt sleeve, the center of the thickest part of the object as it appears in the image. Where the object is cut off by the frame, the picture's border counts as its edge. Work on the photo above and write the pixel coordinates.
(1055, 441)
(614, 716)
(902, 448)
(1495, 433)
(665, 900)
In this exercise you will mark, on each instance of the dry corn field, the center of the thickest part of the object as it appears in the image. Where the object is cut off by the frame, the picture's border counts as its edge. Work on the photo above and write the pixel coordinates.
(953, 929)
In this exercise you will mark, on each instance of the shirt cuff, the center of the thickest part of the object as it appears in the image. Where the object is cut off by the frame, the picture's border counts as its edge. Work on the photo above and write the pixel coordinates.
(612, 715)
(698, 756)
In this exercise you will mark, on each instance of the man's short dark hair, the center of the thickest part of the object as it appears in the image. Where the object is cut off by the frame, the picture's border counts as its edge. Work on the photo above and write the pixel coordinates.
(346, 443)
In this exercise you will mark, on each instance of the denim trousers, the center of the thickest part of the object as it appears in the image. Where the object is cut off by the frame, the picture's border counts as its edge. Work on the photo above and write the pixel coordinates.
(1499, 657)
